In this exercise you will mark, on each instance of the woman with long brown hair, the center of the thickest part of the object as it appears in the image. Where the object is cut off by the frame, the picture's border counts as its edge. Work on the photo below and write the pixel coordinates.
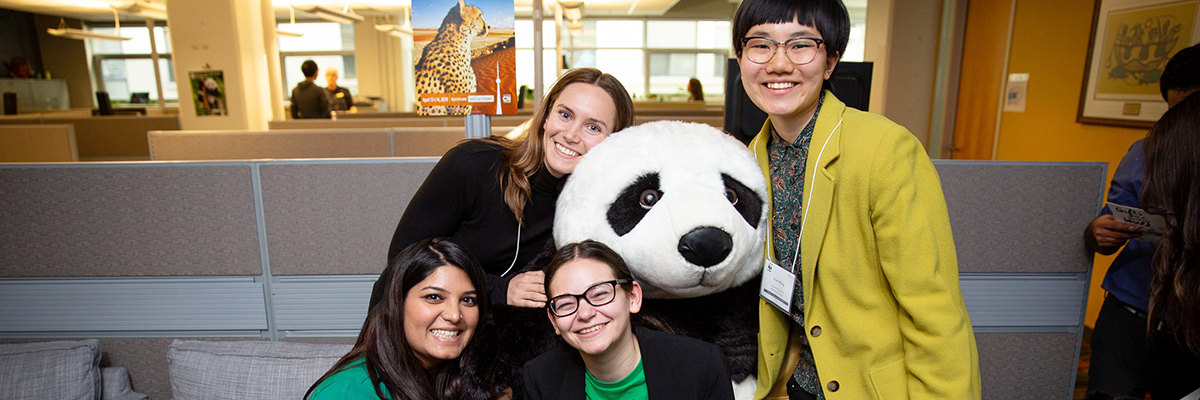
(411, 342)
(496, 196)
(1172, 189)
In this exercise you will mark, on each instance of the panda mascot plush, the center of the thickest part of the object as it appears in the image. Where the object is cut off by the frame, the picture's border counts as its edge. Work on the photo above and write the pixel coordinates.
(685, 205)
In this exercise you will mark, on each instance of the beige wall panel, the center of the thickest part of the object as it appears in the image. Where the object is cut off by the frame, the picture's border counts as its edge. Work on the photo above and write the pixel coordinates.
(115, 136)
(324, 219)
(426, 142)
(249, 145)
(37, 143)
(127, 220)
(358, 123)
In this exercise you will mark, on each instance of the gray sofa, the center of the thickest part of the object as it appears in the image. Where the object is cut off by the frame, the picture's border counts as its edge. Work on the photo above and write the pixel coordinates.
(67, 370)
(247, 370)
(198, 369)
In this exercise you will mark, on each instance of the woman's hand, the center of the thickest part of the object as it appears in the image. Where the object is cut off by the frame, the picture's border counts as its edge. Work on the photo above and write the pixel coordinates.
(527, 290)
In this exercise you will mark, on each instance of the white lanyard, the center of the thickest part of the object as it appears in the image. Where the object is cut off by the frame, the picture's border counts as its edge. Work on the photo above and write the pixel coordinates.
(779, 284)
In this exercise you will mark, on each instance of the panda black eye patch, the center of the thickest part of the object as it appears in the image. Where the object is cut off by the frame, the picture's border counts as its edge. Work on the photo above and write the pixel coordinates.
(632, 204)
(748, 204)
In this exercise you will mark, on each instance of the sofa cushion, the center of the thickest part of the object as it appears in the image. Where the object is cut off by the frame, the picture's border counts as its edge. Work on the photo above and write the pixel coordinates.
(247, 370)
(51, 370)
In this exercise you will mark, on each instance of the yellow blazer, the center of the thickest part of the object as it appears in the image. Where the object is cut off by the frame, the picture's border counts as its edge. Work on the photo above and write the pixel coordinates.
(883, 310)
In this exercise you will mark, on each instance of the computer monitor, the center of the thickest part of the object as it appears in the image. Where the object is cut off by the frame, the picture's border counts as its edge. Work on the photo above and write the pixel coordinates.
(139, 97)
(851, 83)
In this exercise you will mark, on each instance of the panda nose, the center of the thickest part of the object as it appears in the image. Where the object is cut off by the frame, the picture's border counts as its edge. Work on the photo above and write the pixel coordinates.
(706, 246)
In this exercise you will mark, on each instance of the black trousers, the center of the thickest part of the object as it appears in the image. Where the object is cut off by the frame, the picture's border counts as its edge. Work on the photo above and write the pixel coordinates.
(1125, 362)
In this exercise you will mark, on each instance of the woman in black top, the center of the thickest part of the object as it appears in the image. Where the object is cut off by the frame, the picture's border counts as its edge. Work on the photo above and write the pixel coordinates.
(496, 196)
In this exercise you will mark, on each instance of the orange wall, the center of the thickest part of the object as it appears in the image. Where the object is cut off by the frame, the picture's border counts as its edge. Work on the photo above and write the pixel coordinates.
(1050, 41)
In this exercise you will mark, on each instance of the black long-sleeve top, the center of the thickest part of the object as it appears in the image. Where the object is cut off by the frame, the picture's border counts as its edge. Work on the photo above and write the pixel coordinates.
(463, 199)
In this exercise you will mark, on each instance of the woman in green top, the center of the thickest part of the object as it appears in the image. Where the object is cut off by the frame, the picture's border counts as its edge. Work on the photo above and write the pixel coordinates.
(409, 347)
(592, 299)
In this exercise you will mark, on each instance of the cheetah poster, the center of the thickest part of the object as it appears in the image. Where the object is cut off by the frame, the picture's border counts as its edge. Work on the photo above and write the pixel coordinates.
(465, 57)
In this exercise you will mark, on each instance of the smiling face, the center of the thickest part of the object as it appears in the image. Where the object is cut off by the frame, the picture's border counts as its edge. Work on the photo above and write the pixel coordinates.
(581, 117)
(440, 315)
(594, 331)
(787, 92)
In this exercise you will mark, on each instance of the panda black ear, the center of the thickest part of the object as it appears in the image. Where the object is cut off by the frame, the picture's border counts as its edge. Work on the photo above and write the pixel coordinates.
(749, 205)
(627, 210)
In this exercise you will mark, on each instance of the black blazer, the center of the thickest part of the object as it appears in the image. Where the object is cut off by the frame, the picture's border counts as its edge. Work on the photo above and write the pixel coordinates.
(676, 367)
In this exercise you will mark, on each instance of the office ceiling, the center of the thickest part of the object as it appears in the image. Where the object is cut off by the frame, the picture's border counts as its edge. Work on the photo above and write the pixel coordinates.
(100, 11)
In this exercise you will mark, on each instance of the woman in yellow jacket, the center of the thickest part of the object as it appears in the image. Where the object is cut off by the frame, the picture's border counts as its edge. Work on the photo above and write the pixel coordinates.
(860, 294)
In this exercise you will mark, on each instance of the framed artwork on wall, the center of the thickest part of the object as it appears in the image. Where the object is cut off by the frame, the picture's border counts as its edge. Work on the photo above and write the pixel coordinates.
(1131, 42)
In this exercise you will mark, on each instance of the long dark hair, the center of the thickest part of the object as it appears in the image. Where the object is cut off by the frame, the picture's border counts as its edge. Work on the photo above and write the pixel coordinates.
(389, 359)
(1172, 189)
(525, 154)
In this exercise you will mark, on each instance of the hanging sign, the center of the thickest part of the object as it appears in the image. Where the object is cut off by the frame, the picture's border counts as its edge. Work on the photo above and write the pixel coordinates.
(464, 57)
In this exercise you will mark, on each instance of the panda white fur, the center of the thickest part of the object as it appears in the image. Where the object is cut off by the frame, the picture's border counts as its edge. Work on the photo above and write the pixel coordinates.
(651, 191)
(685, 205)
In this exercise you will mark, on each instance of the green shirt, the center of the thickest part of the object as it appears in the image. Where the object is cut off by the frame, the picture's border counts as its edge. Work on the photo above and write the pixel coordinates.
(632, 386)
(350, 383)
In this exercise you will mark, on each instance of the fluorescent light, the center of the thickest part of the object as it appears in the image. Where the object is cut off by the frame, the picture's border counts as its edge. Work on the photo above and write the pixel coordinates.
(282, 32)
(72, 33)
(333, 15)
(144, 8)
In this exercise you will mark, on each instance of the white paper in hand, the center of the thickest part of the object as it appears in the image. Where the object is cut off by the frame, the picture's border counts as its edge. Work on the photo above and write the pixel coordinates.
(1151, 226)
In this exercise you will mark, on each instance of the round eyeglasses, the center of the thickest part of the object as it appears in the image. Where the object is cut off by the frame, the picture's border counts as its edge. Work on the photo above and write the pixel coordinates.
(597, 295)
(800, 50)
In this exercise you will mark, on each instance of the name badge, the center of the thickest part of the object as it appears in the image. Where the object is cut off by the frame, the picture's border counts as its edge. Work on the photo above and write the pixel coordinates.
(778, 286)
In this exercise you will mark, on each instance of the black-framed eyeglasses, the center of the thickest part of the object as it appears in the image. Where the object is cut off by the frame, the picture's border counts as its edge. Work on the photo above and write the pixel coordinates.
(597, 295)
(800, 50)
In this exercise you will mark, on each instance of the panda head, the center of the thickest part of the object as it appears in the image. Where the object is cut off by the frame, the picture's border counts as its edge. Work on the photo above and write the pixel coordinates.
(682, 203)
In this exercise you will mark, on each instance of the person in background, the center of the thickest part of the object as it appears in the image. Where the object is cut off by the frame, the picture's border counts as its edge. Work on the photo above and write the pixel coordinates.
(695, 90)
(410, 344)
(308, 99)
(865, 298)
(339, 96)
(1173, 191)
(1121, 361)
(496, 196)
(593, 299)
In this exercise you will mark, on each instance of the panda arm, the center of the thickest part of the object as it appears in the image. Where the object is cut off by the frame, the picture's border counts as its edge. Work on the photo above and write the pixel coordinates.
(916, 254)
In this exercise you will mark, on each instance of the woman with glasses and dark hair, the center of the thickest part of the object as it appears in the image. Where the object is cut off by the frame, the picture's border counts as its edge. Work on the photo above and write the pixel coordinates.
(856, 194)
(592, 300)
(411, 342)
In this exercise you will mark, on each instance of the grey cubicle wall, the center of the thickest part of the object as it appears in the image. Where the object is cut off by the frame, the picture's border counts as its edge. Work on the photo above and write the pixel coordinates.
(1023, 268)
(137, 253)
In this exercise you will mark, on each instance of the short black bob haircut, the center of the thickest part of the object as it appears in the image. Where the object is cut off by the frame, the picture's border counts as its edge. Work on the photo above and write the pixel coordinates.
(829, 17)
(309, 68)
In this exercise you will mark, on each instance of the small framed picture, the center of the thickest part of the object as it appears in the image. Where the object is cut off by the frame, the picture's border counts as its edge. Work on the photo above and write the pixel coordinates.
(1130, 44)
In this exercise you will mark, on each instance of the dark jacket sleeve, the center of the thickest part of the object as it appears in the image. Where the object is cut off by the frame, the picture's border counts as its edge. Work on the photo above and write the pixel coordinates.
(436, 210)
(440, 204)
(532, 390)
(295, 108)
(718, 375)
(326, 104)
